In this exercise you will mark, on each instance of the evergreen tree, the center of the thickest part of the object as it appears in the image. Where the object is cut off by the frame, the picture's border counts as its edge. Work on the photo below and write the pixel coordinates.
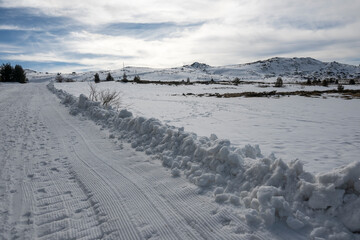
(19, 74)
(137, 79)
(340, 88)
(6, 72)
(96, 78)
(324, 83)
(109, 77)
(279, 82)
(124, 79)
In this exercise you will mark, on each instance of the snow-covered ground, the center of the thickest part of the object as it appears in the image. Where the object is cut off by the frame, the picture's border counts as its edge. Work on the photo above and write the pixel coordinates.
(97, 173)
(265, 192)
(322, 133)
(170, 166)
(62, 177)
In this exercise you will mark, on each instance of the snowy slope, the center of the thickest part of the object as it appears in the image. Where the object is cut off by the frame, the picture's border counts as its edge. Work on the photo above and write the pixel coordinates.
(290, 69)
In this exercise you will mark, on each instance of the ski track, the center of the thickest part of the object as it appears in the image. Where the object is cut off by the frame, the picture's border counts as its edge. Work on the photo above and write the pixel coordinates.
(63, 178)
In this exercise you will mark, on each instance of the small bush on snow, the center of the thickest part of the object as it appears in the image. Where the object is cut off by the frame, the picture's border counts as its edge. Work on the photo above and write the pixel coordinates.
(279, 82)
(340, 88)
(325, 83)
(105, 97)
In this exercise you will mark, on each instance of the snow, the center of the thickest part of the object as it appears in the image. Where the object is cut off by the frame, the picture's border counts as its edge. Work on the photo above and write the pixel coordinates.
(169, 166)
(322, 133)
(64, 177)
(272, 190)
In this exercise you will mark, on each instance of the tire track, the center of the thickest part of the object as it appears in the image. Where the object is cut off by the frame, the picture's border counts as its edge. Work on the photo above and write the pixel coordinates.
(134, 192)
(31, 187)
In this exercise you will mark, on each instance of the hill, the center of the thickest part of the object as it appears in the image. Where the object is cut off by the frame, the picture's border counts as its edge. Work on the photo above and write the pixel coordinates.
(290, 69)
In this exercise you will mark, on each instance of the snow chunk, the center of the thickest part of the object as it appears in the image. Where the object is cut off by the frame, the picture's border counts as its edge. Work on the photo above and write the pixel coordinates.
(175, 172)
(294, 223)
(220, 198)
(252, 152)
(350, 215)
(205, 180)
(346, 177)
(124, 113)
(265, 193)
(323, 198)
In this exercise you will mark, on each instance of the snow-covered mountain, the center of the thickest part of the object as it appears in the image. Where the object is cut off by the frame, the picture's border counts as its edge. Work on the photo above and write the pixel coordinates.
(290, 69)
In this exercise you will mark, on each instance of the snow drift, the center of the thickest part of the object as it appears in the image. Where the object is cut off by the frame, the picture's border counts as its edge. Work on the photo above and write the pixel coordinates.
(270, 190)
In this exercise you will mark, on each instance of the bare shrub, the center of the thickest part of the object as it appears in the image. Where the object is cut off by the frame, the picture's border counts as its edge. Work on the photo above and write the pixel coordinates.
(110, 98)
(106, 97)
(93, 95)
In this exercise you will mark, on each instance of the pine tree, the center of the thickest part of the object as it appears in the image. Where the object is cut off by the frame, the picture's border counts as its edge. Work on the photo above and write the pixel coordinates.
(137, 78)
(6, 72)
(279, 82)
(96, 78)
(324, 83)
(124, 79)
(19, 74)
(109, 77)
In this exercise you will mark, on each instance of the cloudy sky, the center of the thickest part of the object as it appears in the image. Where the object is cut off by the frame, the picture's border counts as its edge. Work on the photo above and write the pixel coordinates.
(81, 35)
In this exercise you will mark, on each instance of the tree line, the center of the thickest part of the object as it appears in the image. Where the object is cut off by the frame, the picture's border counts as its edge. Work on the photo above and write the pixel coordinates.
(9, 73)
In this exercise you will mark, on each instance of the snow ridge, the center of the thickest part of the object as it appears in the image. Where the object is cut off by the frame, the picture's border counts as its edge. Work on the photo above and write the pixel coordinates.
(325, 206)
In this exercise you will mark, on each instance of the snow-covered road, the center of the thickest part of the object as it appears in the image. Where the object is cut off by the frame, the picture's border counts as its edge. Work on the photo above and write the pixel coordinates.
(62, 177)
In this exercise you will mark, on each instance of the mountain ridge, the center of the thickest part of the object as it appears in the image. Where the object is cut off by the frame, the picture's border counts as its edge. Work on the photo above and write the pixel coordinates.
(290, 69)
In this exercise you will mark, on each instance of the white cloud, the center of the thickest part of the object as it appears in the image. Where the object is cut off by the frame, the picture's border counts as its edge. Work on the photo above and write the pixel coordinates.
(17, 28)
(233, 31)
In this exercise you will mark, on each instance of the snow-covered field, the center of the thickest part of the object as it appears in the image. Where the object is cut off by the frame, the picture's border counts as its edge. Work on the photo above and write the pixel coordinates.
(322, 133)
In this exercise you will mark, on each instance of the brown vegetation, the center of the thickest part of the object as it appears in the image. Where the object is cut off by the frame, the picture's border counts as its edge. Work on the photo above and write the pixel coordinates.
(346, 94)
